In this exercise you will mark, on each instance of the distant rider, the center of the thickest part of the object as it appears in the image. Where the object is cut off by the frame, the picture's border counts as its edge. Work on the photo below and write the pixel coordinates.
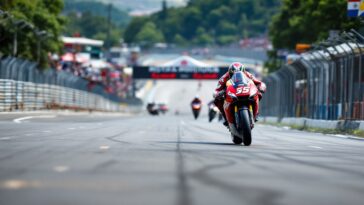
(196, 100)
(221, 87)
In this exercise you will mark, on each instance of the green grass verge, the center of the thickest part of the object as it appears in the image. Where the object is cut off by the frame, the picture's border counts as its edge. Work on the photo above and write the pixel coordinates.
(358, 133)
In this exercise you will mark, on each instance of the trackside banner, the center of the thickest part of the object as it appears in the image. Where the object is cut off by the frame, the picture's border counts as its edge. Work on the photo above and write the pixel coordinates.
(173, 72)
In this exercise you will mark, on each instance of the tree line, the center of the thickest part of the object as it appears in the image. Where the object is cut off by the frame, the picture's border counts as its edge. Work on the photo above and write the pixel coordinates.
(31, 22)
(306, 22)
(200, 22)
(203, 22)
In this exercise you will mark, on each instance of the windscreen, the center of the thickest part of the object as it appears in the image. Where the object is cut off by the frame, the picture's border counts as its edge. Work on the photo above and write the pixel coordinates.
(239, 79)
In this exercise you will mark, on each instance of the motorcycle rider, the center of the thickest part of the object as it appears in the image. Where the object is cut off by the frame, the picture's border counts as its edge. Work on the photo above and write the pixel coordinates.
(196, 100)
(221, 87)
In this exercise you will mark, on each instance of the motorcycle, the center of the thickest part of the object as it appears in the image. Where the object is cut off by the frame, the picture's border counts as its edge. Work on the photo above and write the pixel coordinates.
(213, 110)
(196, 108)
(152, 109)
(238, 106)
(220, 118)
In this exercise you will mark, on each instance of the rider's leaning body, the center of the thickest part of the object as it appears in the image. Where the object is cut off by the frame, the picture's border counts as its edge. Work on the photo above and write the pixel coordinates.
(221, 87)
(196, 100)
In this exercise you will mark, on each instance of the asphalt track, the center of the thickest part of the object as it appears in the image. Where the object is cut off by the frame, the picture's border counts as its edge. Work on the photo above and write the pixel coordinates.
(60, 158)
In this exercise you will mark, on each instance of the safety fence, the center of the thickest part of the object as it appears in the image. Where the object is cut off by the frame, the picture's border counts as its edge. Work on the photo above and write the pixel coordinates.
(326, 82)
(24, 87)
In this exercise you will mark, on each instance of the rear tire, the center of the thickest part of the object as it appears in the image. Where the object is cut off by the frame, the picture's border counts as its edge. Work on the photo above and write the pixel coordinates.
(245, 125)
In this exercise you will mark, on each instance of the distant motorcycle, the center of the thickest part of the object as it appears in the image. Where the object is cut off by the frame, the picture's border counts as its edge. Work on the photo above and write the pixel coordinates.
(213, 111)
(196, 108)
(163, 108)
(152, 109)
(238, 107)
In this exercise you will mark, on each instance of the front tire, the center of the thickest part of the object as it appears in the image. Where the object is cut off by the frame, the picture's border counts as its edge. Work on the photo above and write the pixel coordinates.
(237, 140)
(245, 125)
(196, 113)
(211, 115)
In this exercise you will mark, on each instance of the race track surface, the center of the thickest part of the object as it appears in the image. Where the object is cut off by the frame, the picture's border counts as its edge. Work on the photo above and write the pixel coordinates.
(172, 159)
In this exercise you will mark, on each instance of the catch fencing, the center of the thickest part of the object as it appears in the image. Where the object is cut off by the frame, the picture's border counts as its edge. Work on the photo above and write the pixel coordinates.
(24, 87)
(326, 82)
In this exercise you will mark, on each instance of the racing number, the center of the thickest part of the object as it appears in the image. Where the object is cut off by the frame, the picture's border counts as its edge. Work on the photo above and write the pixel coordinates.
(242, 90)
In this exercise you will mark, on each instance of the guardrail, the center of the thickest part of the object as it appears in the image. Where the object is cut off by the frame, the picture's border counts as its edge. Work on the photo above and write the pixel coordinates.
(23, 87)
(326, 82)
(17, 95)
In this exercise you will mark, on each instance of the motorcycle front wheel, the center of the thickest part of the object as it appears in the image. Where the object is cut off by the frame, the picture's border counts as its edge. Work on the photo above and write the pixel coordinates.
(196, 113)
(245, 125)
(236, 140)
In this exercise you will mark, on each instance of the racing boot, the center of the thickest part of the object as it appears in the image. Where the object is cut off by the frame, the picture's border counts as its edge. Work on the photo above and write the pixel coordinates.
(257, 118)
(225, 122)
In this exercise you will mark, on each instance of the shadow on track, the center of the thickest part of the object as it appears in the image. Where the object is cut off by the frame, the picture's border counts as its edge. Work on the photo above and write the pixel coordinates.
(198, 143)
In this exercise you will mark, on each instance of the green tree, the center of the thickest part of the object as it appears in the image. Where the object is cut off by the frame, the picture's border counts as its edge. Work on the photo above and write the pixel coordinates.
(44, 15)
(225, 21)
(226, 39)
(149, 35)
(203, 38)
(119, 18)
(179, 40)
(308, 21)
(91, 26)
(134, 28)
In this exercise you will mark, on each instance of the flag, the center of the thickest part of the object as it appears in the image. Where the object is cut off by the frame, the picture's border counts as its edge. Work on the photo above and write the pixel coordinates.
(354, 8)
(361, 8)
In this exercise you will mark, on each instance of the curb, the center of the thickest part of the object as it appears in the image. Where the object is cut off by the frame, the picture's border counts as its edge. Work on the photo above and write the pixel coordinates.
(323, 124)
(314, 123)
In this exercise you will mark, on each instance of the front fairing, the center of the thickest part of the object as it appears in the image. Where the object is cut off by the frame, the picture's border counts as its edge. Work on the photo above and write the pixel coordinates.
(196, 106)
(239, 95)
(240, 92)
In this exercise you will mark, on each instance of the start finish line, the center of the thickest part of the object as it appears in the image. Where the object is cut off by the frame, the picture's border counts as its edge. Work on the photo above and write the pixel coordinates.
(175, 72)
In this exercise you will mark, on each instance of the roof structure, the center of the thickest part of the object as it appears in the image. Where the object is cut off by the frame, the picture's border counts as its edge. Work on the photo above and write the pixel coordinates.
(82, 41)
(186, 61)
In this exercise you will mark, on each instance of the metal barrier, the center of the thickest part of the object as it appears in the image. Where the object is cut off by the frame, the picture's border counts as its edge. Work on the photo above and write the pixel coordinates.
(324, 83)
(24, 87)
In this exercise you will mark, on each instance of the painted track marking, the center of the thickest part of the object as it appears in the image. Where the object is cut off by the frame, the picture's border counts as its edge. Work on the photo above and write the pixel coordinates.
(19, 120)
(316, 147)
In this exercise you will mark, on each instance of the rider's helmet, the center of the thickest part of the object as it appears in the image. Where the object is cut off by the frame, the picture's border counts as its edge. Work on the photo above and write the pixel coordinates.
(235, 67)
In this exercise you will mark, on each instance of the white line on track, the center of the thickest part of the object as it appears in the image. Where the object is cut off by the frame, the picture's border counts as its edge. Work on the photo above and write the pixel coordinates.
(5, 138)
(15, 184)
(19, 120)
(60, 168)
(104, 147)
(341, 136)
(316, 147)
